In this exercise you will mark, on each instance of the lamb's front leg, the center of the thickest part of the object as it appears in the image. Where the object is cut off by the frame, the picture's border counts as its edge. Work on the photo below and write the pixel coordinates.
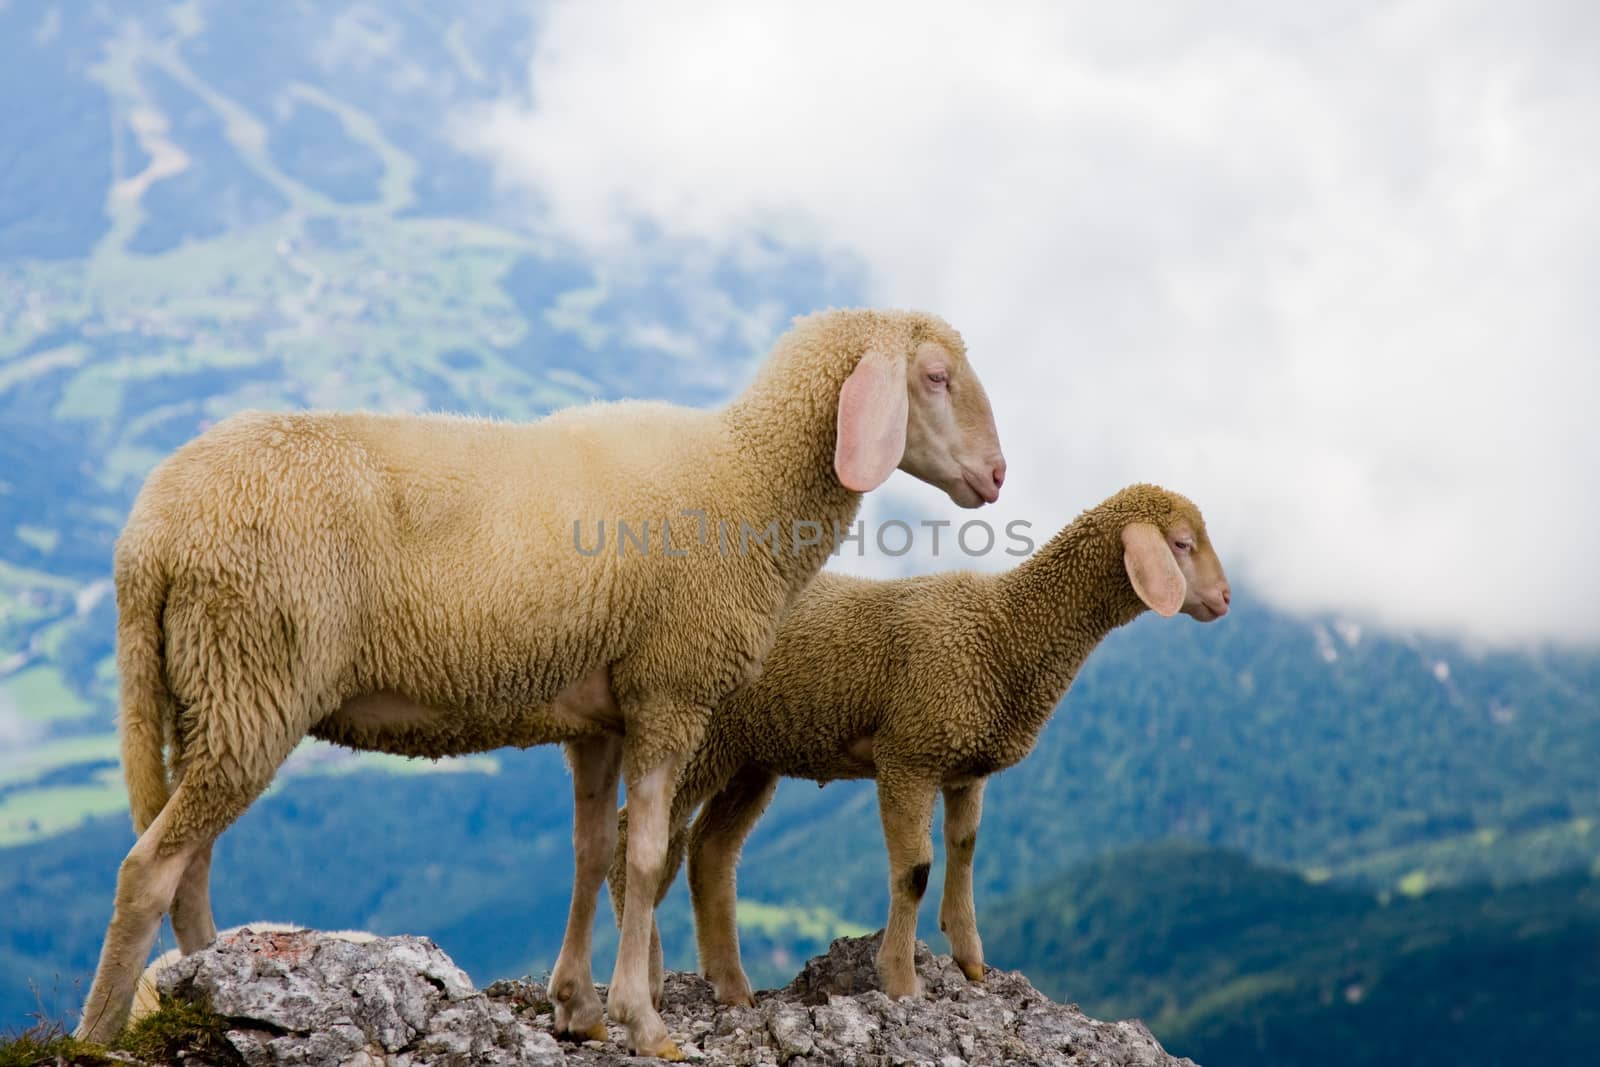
(905, 803)
(963, 807)
(596, 764)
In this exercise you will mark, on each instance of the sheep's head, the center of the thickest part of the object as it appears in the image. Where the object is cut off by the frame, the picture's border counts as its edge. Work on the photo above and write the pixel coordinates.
(914, 403)
(1169, 558)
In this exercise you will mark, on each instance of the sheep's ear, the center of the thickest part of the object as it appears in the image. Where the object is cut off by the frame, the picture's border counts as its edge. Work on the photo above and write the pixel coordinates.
(872, 422)
(1152, 569)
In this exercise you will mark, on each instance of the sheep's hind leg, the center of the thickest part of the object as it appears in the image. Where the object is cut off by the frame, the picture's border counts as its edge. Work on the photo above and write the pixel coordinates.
(715, 840)
(596, 764)
(191, 907)
(905, 804)
(649, 822)
(963, 807)
(151, 879)
(206, 801)
(146, 884)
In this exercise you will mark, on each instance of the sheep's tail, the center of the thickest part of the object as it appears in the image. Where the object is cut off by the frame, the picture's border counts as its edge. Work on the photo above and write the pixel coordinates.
(146, 700)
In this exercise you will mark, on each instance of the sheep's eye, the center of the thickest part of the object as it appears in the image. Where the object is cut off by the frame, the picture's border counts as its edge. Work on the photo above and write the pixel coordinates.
(938, 377)
(1183, 546)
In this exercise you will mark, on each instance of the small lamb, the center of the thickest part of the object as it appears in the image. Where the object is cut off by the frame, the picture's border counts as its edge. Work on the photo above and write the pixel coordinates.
(927, 684)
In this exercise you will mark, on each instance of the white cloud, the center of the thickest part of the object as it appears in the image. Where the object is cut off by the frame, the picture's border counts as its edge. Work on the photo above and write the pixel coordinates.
(1331, 273)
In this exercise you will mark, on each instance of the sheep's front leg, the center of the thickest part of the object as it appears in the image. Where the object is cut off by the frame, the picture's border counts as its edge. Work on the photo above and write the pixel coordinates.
(905, 802)
(963, 807)
(617, 882)
(596, 764)
(714, 843)
(649, 822)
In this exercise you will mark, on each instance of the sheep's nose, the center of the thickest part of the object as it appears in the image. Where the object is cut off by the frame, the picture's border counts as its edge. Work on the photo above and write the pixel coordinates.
(999, 473)
(1227, 595)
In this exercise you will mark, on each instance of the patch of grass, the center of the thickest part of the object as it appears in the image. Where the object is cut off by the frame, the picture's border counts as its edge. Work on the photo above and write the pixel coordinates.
(34, 814)
(41, 694)
(180, 1029)
(1490, 854)
(55, 755)
(815, 924)
(47, 1043)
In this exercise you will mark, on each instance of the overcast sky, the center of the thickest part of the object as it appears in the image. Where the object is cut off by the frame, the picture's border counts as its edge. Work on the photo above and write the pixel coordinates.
(1331, 270)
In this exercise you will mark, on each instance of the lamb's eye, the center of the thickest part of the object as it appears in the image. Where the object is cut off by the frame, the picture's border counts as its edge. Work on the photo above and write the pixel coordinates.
(1183, 546)
(938, 377)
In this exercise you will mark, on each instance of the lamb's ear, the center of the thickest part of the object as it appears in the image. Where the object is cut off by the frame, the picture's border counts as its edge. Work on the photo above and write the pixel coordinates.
(1152, 569)
(872, 421)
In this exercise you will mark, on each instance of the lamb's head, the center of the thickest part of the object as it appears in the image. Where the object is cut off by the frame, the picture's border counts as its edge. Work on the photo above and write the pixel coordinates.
(1170, 560)
(913, 402)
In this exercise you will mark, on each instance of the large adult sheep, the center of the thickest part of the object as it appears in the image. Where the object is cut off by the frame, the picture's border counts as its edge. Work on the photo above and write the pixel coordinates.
(428, 585)
(926, 684)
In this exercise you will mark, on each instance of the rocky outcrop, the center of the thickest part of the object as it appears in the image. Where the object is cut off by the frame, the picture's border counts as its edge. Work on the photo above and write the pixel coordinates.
(303, 999)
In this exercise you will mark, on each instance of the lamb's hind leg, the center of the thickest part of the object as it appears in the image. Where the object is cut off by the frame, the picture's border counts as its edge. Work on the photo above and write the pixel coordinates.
(596, 764)
(714, 843)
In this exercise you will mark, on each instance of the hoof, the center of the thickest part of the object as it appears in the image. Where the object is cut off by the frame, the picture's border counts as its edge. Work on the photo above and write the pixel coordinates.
(737, 1000)
(667, 1050)
(973, 971)
(595, 1031)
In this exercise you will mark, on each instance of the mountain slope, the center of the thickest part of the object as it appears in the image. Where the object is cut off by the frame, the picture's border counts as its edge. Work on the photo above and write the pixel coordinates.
(1233, 963)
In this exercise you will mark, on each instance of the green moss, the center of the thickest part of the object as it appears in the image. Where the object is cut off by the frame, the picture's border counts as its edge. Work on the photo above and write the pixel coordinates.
(180, 1029)
(48, 1043)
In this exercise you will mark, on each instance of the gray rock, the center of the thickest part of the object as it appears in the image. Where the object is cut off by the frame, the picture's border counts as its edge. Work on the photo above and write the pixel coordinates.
(300, 998)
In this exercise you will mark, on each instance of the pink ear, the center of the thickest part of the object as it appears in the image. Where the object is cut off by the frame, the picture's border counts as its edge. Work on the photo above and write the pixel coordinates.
(872, 422)
(1152, 569)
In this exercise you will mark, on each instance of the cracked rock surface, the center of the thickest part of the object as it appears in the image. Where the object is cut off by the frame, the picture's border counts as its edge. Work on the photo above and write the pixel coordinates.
(305, 999)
